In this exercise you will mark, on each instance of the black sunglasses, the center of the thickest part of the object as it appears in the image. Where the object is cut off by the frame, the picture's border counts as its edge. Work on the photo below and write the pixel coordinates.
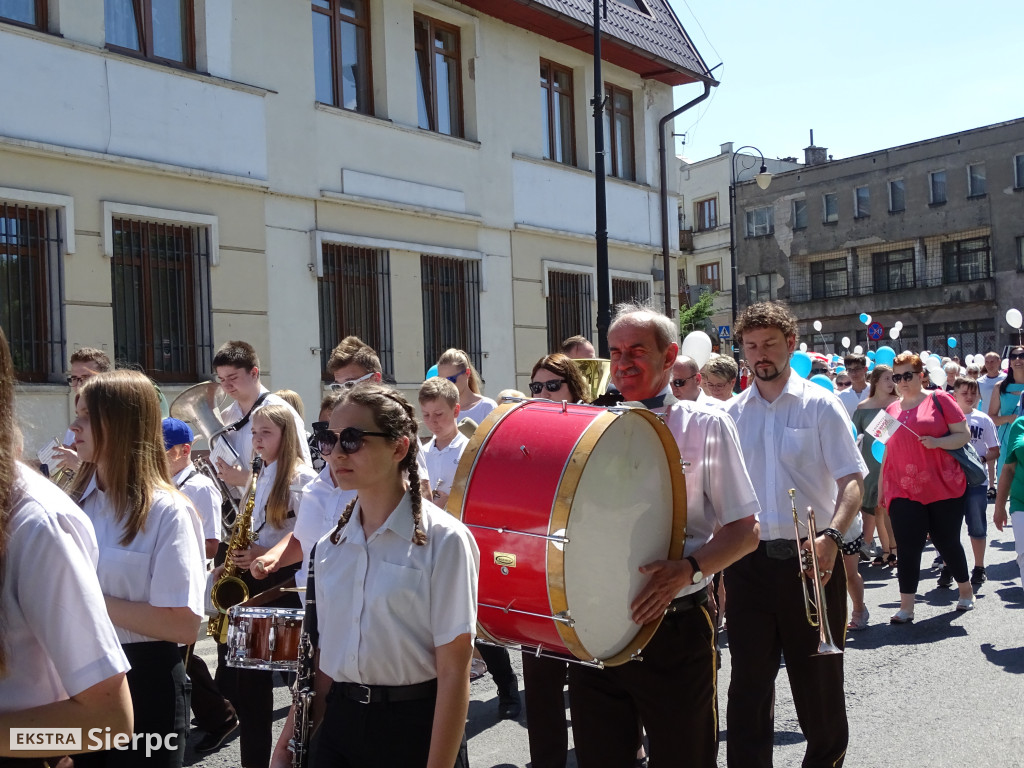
(1016, 356)
(350, 438)
(536, 387)
(682, 382)
(898, 377)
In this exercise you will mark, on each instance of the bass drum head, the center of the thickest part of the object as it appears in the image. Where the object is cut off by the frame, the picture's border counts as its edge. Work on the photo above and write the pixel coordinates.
(628, 508)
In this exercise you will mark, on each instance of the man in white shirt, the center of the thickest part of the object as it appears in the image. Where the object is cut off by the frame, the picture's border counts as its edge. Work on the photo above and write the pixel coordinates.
(204, 494)
(795, 436)
(857, 392)
(673, 690)
(993, 377)
(686, 380)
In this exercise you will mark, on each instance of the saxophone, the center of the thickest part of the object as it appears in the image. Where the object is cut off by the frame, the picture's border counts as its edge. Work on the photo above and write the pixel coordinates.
(229, 590)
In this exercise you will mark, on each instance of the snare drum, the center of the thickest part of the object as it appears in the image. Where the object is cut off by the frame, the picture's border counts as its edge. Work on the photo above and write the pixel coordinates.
(264, 638)
(566, 502)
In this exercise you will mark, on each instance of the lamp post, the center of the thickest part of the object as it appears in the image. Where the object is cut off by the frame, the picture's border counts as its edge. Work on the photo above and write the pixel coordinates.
(763, 179)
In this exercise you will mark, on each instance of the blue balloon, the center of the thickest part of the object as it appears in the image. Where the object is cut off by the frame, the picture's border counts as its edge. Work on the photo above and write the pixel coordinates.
(801, 363)
(871, 354)
(823, 381)
(432, 372)
(863, 317)
(878, 450)
(871, 365)
(952, 342)
(853, 428)
(840, 369)
(885, 356)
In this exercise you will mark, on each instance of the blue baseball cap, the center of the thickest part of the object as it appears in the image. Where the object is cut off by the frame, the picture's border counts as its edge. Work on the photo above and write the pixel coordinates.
(176, 432)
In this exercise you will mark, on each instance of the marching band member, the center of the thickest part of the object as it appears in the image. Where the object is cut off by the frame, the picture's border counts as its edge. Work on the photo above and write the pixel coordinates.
(454, 365)
(238, 371)
(407, 571)
(150, 553)
(85, 362)
(61, 665)
(277, 496)
(672, 692)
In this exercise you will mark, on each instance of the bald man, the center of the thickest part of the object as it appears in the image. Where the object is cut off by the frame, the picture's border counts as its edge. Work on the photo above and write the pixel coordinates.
(686, 380)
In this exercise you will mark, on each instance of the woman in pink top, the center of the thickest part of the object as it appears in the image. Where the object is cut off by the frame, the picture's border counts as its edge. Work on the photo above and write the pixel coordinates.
(922, 484)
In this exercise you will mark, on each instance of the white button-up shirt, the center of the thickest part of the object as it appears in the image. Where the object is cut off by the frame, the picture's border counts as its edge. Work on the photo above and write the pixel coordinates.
(385, 604)
(802, 440)
(322, 504)
(241, 440)
(851, 398)
(718, 489)
(266, 534)
(205, 496)
(442, 462)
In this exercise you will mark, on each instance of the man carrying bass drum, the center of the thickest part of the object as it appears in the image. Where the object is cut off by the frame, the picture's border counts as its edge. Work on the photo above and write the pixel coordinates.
(671, 693)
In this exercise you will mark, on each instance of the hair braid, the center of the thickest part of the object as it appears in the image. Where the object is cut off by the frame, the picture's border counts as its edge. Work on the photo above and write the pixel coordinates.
(343, 521)
(419, 538)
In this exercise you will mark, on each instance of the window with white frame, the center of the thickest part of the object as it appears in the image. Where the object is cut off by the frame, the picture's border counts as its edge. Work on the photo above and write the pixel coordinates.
(32, 289)
(800, 214)
(897, 196)
(861, 202)
(760, 221)
(976, 185)
(354, 294)
(569, 305)
(830, 208)
(936, 187)
(966, 260)
(160, 274)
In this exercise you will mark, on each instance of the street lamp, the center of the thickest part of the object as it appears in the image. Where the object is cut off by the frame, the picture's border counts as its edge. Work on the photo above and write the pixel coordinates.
(763, 179)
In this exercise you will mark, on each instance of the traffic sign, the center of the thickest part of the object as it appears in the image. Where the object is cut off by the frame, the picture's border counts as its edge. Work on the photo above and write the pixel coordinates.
(875, 331)
(723, 332)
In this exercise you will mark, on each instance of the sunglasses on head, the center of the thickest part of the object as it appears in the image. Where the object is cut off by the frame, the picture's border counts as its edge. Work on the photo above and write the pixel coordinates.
(350, 439)
(536, 387)
(898, 377)
(346, 385)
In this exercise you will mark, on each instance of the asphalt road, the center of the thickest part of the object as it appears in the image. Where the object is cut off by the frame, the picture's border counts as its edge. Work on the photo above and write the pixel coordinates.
(942, 692)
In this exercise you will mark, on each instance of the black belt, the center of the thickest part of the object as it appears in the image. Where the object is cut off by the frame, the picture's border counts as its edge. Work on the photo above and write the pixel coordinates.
(686, 602)
(385, 694)
(779, 549)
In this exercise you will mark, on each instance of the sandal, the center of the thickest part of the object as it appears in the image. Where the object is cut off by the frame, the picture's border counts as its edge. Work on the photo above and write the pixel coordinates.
(991, 493)
(880, 560)
(901, 617)
(890, 561)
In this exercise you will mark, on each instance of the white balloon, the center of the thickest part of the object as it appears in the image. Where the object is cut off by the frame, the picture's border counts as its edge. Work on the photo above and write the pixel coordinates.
(868, 321)
(894, 333)
(817, 325)
(697, 345)
(1006, 363)
(1014, 318)
(898, 325)
(937, 376)
(846, 342)
(858, 350)
(924, 355)
(803, 346)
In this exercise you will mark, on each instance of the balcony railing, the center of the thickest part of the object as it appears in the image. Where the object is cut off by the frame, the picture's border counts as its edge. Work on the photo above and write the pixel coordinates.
(686, 240)
(804, 286)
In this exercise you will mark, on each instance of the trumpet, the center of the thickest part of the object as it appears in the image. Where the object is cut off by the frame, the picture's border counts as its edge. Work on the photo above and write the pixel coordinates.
(816, 609)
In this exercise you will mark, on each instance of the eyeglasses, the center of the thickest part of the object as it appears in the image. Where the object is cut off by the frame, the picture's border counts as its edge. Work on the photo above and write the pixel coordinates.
(898, 377)
(453, 378)
(682, 382)
(1016, 356)
(337, 385)
(350, 438)
(74, 381)
(842, 384)
(553, 385)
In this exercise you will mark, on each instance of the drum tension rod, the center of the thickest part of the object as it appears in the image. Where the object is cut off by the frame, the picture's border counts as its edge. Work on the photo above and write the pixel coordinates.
(562, 616)
(523, 449)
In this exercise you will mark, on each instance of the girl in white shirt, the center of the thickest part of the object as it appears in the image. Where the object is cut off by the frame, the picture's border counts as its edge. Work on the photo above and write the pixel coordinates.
(61, 665)
(278, 493)
(151, 567)
(396, 595)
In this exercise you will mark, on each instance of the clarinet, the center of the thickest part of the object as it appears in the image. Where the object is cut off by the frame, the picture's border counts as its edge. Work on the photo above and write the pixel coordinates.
(303, 688)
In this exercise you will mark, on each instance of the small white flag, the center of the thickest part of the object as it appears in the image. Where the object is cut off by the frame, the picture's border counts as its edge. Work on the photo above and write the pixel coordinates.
(882, 427)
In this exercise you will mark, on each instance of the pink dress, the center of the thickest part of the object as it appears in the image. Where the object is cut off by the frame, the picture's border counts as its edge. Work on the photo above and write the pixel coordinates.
(914, 472)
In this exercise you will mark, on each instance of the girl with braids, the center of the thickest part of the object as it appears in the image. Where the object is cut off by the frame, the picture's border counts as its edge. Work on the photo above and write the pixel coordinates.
(278, 493)
(151, 558)
(454, 365)
(61, 665)
(396, 595)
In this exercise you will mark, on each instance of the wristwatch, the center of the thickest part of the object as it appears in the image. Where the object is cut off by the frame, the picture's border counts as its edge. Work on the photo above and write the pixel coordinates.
(698, 574)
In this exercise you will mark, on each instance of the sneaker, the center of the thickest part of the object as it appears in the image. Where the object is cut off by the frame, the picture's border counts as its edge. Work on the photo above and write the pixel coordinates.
(965, 604)
(213, 740)
(991, 493)
(978, 576)
(937, 562)
(945, 578)
(510, 706)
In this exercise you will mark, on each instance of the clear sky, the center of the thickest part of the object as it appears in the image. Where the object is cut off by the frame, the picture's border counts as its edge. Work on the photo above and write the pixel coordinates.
(864, 75)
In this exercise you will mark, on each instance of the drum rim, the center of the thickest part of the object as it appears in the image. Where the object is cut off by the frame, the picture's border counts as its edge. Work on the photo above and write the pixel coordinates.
(264, 611)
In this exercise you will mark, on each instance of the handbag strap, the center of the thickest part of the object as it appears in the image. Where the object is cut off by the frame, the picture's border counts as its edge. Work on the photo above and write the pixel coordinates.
(938, 404)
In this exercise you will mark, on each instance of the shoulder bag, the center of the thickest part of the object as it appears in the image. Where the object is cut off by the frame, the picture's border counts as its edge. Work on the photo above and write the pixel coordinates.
(968, 458)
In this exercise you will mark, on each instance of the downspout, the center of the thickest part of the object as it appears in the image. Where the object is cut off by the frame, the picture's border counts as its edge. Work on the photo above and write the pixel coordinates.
(663, 194)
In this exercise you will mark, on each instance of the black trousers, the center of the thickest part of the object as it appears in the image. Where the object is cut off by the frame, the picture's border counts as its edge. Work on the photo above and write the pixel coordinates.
(767, 621)
(498, 662)
(211, 708)
(160, 698)
(911, 524)
(385, 735)
(543, 689)
(672, 693)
